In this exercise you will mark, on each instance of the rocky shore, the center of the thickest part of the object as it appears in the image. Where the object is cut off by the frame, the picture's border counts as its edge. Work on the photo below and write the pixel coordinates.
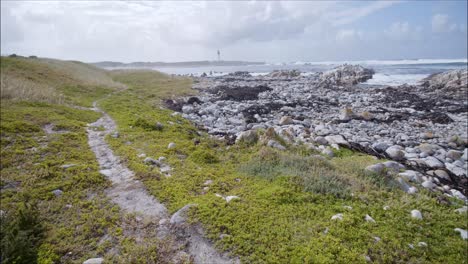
(421, 128)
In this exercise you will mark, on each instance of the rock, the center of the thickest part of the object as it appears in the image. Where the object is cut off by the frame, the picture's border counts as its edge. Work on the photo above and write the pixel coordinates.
(347, 207)
(380, 146)
(208, 182)
(404, 186)
(454, 155)
(171, 145)
(458, 194)
(442, 174)
(249, 137)
(412, 190)
(449, 81)
(337, 139)
(179, 217)
(430, 149)
(230, 198)
(151, 161)
(368, 218)
(416, 214)
(284, 74)
(66, 166)
(328, 152)
(433, 162)
(428, 185)
(393, 167)
(376, 168)
(345, 75)
(395, 153)
(463, 233)
(422, 244)
(455, 169)
(321, 140)
(94, 261)
(275, 144)
(410, 175)
(465, 155)
(57, 192)
(115, 135)
(286, 120)
(462, 209)
(386, 207)
(337, 217)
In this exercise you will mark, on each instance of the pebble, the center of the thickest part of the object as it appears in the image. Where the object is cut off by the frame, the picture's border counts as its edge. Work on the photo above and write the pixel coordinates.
(171, 145)
(463, 233)
(416, 214)
(368, 218)
(57, 192)
(337, 217)
(94, 261)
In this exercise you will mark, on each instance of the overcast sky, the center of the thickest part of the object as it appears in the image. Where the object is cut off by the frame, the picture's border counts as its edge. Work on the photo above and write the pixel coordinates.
(255, 31)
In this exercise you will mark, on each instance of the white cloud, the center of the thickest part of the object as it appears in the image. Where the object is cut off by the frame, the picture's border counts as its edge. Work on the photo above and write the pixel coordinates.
(348, 35)
(440, 23)
(402, 30)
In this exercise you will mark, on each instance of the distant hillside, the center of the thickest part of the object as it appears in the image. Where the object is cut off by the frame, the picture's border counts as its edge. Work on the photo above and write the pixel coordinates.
(139, 64)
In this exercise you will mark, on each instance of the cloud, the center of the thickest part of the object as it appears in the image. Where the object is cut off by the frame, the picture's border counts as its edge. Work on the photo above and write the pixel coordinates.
(348, 35)
(402, 30)
(441, 24)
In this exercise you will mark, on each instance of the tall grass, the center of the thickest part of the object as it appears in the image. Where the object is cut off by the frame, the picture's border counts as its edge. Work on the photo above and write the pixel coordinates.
(19, 89)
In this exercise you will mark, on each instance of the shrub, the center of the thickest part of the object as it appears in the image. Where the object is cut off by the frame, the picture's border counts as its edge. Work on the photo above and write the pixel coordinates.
(314, 175)
(203, 157)
(20, 235)
(140, 122)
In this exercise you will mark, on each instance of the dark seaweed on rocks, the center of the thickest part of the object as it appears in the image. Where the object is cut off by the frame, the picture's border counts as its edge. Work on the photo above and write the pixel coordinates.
(239, 93)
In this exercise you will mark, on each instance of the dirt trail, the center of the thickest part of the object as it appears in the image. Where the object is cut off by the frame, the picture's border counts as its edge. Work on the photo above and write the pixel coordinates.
(132, 197)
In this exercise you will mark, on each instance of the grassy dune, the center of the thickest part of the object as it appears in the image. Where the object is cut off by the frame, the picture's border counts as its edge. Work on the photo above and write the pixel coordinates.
(287, 198)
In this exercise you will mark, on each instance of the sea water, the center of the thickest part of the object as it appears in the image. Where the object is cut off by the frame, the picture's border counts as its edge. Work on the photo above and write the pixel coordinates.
(387, 72)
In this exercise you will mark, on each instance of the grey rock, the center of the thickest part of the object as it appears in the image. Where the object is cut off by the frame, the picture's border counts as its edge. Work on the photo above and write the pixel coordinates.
(328, 152)
(375, 168)
(442, 174)
(395, 153)
(416, 214)
(171, 145)
(321, 140)
(275, 144)
(463, 233)
(393, 166)
(94, 261)
(151, 161)
(380, 146)
(432, 162)
(57, 192)
(179, 217)
(286, 120)
(248, 137)
(336, 139)
(428, 185)
(454, 155)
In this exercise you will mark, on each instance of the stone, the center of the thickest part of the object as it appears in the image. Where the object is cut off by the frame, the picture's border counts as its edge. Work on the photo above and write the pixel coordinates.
(151, 161)
(462, 209)
(249, 137)
(337, 139)
(231, 197)
(393, 166)
(442, 174)
(171, 145)
(368, 218)
(380, 146)
(404, 186)
(416, 214)
(376, 168)
(410, 175)
(347, 114)
(395, 153)
(286, 120)
(94, 261)
(455, 169)
(465, 155)
(328, 152)
(347, 207)
(57, 192)
(321, 140)
(463, 233)
(412, 190)
(428, 185)
(454, 155)
(275, 144)
(208, 182)
(428, 148)
(66, 166)
(458, 194)
(433, 162)
(179, 217)
(337, 217)
(422, 244)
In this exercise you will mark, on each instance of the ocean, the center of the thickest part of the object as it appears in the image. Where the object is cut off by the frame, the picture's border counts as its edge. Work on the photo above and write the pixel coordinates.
(387, 72)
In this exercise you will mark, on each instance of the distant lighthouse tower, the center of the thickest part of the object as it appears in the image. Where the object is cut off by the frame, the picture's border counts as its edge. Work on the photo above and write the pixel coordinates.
(219, 55)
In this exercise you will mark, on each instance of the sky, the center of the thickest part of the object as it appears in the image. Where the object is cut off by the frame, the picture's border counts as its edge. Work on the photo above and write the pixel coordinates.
(271, 31)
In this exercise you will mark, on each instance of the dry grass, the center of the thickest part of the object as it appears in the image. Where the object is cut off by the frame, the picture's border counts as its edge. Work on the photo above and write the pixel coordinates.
(46, 80)
(21, 89)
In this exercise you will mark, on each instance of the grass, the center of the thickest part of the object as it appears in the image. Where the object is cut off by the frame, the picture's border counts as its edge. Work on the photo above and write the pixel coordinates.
(286, 198)
(36, 225)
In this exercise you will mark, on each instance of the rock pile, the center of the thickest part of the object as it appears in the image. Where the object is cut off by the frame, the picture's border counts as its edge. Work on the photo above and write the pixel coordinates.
(417, 126)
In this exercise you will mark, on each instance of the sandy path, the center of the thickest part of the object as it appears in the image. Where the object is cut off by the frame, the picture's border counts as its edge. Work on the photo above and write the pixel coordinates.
(132, 197)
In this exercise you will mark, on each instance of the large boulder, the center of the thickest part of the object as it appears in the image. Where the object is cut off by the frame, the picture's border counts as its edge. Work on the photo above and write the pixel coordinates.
(453, 80)
(345, 75)
(284, 74)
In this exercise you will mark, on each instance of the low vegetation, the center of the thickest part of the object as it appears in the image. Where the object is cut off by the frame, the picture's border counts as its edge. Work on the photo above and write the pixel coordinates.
(286, 198)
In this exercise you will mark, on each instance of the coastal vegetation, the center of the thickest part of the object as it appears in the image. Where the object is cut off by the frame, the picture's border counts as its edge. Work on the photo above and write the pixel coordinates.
(55, 210)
